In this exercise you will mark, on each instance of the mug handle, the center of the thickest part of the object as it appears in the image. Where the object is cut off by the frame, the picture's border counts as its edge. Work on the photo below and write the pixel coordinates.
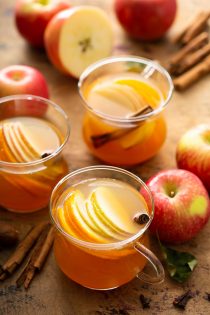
(156, 264)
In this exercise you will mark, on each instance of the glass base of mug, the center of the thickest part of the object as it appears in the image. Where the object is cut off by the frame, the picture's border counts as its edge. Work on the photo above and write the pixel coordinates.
(24, 211)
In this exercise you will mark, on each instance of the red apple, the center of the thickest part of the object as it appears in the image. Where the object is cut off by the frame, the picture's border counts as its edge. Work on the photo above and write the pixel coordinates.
(193, 152)
(145, 19)
(77, 37)
(19, 79)
(182, 206)
(32, 17)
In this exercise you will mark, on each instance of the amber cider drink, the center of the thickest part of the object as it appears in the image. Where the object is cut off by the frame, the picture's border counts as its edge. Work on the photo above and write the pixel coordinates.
(29, 167)
(97, 218)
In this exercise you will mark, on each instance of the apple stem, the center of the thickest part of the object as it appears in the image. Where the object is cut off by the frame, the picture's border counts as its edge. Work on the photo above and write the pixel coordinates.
(85, 44)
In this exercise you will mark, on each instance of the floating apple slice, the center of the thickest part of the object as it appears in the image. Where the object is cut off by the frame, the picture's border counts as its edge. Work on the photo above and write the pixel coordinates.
(138, 135)
(13, 142)
(104, 228)
(121, 95)
(77, 37)
(150, 94)
(112, 211)
(71, 206)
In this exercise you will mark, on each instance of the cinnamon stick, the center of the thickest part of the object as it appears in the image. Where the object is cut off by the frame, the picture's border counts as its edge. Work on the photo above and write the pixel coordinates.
(196, 27)
(196, 24)
(21, 251)
(8, 234)
(191, 59)
(38, 256)
(194, 74)
(100, 140)
(194, 45)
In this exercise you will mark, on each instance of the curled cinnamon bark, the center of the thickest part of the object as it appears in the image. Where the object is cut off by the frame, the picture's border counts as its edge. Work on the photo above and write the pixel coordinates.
(192, 46)
(21, 251)
(188, 78)
(38, 256)
(197, 25)
(191, 60)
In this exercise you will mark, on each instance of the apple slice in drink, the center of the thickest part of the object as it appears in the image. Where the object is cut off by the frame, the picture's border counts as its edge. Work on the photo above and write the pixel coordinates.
(138, 135)
(77, 37)
(150, 94)
(112, 211)
(123, 99)
(71, 206)
(104, 228)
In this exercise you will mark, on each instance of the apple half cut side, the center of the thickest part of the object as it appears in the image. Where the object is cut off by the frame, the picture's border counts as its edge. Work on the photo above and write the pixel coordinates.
(78, 37)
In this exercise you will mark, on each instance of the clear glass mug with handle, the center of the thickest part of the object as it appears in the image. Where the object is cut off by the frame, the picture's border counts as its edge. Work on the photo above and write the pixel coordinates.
(124, 98)
(33, 134)
(102, 266)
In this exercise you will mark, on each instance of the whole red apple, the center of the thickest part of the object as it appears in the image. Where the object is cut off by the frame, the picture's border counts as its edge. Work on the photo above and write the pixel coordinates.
(193, 152)
(145, 19)
(32, 17)
(20, 79)
(182, 206)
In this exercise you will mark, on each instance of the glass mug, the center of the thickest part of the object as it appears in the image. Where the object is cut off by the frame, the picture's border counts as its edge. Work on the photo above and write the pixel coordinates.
(126, 141)
(110, 265)
(26, 182)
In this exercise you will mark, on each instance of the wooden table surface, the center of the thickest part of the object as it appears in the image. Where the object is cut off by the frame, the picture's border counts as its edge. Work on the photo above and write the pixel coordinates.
(51, 292)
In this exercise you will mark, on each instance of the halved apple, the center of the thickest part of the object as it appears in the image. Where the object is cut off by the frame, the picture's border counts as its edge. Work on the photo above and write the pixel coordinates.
(77, 37)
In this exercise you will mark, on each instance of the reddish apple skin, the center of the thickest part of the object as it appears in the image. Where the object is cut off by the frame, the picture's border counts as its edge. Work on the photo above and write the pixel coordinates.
(193, 153)
(146, 19)
(179, 218)
(52, 36)
(32, 23)
(20, 79)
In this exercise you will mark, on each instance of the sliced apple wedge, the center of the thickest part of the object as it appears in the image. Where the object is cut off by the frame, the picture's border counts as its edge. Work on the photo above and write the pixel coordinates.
(104, 228)
(9, 131)
(123, 95)
(112, 211)
(77, 37)
(138, 135)
(87, 233)
(149, 93)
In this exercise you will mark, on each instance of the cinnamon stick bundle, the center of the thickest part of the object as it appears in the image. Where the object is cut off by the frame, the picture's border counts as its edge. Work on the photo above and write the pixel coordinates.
(188, 78)
(193, 29)
(196, 27)
(21, 251)
(38, 256)
(191, 59)
(192, 46)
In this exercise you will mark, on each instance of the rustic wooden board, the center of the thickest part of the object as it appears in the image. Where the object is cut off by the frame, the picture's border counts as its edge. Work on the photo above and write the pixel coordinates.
(51, 292)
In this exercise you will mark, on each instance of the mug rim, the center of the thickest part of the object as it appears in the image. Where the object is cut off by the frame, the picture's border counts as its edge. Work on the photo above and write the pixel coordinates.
(106, 246)
(130, 58)
(58, 150)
